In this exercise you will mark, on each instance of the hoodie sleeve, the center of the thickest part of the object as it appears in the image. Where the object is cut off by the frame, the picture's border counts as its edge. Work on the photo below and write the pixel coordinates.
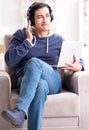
(17, 49)
(81, 61)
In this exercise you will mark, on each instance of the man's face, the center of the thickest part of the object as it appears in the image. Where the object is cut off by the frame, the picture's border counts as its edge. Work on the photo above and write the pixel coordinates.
(42, 19)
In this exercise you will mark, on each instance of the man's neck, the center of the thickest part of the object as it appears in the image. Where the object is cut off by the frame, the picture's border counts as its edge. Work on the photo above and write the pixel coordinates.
(42, 33)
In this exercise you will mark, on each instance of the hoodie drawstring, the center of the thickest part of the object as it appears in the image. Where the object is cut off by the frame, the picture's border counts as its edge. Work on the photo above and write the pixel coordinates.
(47, 44)
(47, 47)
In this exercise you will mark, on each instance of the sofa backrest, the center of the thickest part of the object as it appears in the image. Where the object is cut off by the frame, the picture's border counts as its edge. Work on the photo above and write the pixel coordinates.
(9, 70)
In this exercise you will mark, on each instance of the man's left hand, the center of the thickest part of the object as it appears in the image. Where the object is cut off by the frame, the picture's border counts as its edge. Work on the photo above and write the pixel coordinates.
(75, 66)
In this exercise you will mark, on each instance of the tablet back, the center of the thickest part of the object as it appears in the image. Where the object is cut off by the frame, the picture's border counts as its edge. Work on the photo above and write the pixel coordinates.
(69, 48)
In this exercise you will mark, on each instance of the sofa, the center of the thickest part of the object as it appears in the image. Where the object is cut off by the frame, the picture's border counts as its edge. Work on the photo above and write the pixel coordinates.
(68, 110)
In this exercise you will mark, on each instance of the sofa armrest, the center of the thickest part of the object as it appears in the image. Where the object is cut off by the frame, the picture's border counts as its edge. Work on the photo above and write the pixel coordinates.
(83, 86)
(5, 93)
(5, 89)
(78, 83)
(71, 80)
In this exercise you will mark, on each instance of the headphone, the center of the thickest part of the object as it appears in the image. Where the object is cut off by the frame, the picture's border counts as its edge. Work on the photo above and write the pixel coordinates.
(35, 6)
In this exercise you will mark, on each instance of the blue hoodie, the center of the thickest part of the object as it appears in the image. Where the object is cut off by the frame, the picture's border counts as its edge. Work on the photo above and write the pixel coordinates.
(21, 50)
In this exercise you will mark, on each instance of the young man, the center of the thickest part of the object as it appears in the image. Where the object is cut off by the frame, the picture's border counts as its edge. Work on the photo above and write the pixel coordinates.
(32, 52)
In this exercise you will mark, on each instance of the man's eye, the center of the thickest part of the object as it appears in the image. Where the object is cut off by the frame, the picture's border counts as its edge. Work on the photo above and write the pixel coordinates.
(39, 17)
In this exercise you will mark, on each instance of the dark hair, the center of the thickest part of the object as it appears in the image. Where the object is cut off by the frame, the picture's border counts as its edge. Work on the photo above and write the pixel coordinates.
(34, 7)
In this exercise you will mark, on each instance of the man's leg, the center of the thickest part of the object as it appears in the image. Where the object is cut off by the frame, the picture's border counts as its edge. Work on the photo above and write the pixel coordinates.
(35, 111)
(35, 70)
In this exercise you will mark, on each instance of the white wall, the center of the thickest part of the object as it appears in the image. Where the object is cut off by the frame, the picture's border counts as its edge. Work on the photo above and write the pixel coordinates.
(11, 14)
(67, 19)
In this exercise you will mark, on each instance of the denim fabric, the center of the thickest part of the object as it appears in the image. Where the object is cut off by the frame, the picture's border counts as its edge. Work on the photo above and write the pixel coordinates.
(39, 80)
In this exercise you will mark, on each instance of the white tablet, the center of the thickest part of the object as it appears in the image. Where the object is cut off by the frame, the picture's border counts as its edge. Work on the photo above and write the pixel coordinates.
(69, 48)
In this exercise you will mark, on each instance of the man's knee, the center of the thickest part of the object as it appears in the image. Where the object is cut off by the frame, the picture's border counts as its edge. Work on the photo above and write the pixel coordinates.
(43, 87)
(33, 62)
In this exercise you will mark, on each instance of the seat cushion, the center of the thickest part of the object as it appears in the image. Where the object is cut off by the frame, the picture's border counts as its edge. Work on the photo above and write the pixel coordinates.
(64, 104)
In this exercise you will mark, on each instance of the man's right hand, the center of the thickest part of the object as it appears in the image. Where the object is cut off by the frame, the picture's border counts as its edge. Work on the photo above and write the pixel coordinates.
(29, 32)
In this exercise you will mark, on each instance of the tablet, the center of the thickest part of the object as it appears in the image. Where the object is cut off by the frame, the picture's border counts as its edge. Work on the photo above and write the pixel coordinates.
(69, 48)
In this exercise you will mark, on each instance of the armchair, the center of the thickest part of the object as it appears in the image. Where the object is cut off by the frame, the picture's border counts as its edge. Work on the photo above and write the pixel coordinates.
(68, 110)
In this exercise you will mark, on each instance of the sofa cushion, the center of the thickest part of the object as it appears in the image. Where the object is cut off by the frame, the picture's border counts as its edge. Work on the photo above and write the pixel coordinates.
(64, 104)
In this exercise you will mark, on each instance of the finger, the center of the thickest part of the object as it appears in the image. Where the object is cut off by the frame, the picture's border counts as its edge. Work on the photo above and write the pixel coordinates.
(64, 67)
(29, 25)
(74, 59)
(69, 65)
(68, 68)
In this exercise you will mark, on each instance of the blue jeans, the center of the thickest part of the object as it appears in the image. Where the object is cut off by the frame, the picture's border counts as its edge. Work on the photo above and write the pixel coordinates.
(39, 80)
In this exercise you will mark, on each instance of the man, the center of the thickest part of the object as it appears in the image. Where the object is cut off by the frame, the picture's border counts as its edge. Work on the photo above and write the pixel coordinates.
(32, 52)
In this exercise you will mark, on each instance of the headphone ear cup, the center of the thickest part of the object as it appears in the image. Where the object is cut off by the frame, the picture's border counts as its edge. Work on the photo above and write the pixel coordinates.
(52, 17)
(29, 17)
(32, 21)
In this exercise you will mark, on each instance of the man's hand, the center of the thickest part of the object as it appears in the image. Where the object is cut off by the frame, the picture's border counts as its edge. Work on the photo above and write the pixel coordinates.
(29, 32)
(75, 66)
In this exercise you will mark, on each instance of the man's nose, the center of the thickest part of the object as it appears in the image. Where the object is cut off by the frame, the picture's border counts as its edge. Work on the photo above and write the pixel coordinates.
(44, 19)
